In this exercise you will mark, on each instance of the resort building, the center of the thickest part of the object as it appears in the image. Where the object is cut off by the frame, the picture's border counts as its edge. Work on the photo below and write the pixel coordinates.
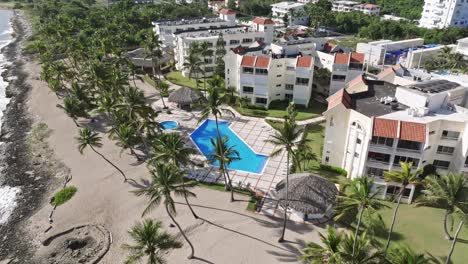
(216, 6)
(442, 14)
(400, 75)
(346, 67)
(462, 47)
(372, 125)
(351, 6)
(292, 10)
(307, 1)
(264, 79)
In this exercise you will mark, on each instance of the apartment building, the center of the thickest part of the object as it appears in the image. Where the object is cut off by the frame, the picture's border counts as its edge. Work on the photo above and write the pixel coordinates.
(264, 79)
(293, 10)
(351, 6)
(346, 67)
(462, 47)
(216, 6)
(444, 13)
(307, 1)
(372, 125)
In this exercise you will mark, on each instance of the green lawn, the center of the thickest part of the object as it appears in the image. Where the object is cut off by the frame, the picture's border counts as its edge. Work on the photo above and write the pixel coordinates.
(421, 229)
(176, 77)
(349, 42)
(278, 110)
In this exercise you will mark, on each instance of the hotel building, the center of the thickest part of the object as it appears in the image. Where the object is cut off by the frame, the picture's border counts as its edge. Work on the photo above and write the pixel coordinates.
(444, 13)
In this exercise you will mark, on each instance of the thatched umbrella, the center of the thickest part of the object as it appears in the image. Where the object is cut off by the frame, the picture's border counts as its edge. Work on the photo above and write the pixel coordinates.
(185, 96)
(308, 194)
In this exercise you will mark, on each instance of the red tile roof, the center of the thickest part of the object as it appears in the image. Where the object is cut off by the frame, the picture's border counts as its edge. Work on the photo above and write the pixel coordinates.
(304, 62)
(248, 61)
(385, 128)
(340, 97)
(413, 131)
(227, 12)
(328, 47)
(341, 58)
(262, 62)
(263, 21)
(357, 57)
(359, 79)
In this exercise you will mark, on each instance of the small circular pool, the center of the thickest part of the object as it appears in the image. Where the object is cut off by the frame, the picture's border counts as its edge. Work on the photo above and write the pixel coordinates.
(168, 125)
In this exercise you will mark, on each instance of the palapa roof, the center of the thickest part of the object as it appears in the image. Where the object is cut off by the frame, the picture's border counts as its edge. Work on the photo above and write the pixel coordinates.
(308, 193)
(185, 95)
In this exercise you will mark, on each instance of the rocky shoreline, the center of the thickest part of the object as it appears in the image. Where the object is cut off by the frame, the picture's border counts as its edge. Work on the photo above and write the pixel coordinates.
(21, 167)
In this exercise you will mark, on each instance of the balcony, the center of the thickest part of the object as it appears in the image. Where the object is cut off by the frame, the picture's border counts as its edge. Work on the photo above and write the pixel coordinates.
(418, 151)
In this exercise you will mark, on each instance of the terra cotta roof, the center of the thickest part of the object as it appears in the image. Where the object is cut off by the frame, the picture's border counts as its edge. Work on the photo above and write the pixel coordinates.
(227, 12)
(304, 62)
(248, 61)
(262, 62)
(263, 21)
(341, 58)
(357, 57)
(413, 131)
(385, 128)
(340, 97)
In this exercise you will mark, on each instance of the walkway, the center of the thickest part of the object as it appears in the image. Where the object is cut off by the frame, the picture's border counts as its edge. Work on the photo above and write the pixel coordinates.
(301, 123)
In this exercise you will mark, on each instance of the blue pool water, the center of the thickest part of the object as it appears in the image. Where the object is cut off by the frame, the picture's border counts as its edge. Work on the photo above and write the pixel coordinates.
(249, 162)
(443, 72)
(167, 125)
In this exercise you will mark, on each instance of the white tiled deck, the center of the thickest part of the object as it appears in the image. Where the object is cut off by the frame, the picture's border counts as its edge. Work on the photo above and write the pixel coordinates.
(254, 131)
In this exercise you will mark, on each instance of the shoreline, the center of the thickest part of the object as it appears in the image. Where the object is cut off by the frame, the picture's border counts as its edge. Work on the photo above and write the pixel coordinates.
(19, 167)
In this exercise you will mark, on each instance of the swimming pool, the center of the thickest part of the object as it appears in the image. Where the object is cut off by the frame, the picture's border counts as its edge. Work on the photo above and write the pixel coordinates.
(168, 125)
(249, 162)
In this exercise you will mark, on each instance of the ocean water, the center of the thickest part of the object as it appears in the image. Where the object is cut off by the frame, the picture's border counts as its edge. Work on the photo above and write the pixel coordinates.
(8, 194)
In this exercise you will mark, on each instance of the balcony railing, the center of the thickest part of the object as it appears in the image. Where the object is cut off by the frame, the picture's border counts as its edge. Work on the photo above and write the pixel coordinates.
(409, 150)
(382, 162)
(449, 138)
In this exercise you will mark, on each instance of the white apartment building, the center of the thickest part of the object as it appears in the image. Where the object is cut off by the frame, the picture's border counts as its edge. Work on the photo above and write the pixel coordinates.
(292, 9)
(462, 47)
(351, 6)
(372, 125)
(415, 58)
(346, 67)
(167, 29)
(216, 6)
(307, 1)
(444, 13)
(264, 79)
(386, 51)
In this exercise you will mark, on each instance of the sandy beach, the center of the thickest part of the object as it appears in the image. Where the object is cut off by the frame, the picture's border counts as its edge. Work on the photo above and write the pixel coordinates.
(233, 236)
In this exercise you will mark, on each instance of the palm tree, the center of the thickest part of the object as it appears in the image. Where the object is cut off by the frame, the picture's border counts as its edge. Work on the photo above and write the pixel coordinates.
(166, 179)
(193, 65)
(152, 48)
(358, 196)
(405, 255)
(88, 138)
(404, 177)
(224, 155)
(314, 253)
(464, 216)
(126, 138)
(170, 147)
(73, 108)
(286, 139)
(150, 242)
(446, 191)
(205, 52)
(359, 250)
(215, 107)
(457, 61)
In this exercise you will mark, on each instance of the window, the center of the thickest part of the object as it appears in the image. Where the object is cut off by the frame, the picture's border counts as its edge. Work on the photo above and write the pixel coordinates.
(247, 89)
(209, 44)
(302, 81)
(442, 164)
(259, 100)
(279, 75)
(375, 172)
(466, 162)
(278, 85)
(398, 159)
(247, 70)
(208, 60)
(259, 39)
(332, 123)
(290, 68)
(358, 141)
(261, 71)
(338, 78)
(247, 40)
(450, 135)
(378, 157)
(288, 97)
(209, 69)
(409, 145)
(382, 141)
(234, 42)
(432, 132)
(445, 150)
(356, 155)
(289, 87)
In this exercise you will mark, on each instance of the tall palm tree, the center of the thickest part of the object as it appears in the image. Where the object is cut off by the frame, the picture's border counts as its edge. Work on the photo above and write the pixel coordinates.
(88, 138)
(165, 180)
(151, 242)
(73, 108)
(405, 255)
(214, 106)
(205, 52)
(358, 196)
(359, 250)
(193, 65)
(126, 138)
(224, 155)
(464, 217)
(286, 139)
(315, 253)
(152, 49)
(170, 147)
(446, 191)
(404, 177)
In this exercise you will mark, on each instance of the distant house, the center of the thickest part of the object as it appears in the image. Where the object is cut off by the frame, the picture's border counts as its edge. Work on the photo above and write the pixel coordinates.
(292, 10)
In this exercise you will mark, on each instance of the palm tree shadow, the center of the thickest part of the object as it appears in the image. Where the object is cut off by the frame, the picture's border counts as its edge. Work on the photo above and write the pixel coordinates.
(293, 247)
(203, 260)
(144, 183)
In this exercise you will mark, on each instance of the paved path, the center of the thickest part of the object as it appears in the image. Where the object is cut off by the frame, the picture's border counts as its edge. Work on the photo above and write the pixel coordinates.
(301, 123)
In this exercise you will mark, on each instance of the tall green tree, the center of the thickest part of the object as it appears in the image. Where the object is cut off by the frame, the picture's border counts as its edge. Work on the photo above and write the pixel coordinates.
(319, 13)
(215, 106)
(405, 177)
(405, 255)
(170, 147)
(152, 49)
(150, 242)
(224, 155)
(220, 52)
(73, 108)
(88, 138)
(358, 196)
(166, 179)
(286, 139)
(126, 138)
(207, 55)
(327, 252)
(447, 191)
(193, 64)
(356, 250)
(463, 218)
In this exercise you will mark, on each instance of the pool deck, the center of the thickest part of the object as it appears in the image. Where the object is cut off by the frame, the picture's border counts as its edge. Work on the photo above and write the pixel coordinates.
(254, 131)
